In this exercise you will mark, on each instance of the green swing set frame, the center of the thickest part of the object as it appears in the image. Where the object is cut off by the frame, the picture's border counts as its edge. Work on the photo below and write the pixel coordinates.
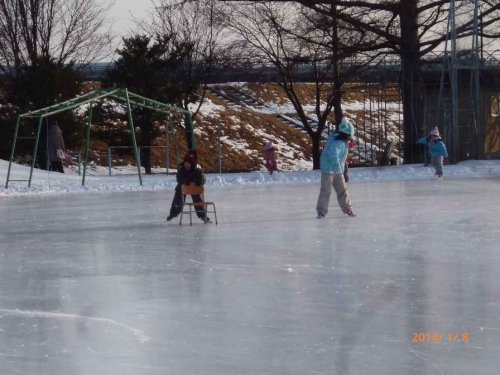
(120, 94)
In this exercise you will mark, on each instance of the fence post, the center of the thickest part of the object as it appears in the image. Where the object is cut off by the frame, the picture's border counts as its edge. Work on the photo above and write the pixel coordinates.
(219, 149)
(87, 142)
(168, 127)
(110, 162)
(132, 132)
(166, 161)
(12, 151)
(79, 160)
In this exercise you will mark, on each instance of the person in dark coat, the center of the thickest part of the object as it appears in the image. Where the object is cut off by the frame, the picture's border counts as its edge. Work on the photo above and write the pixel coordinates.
(55, 148)
(188, 172)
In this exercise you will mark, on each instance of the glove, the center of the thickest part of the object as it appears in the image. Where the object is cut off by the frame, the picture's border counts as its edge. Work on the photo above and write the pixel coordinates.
(446, 161)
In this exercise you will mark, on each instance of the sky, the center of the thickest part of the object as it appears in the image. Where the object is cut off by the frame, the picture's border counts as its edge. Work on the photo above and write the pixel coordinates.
(123, 12)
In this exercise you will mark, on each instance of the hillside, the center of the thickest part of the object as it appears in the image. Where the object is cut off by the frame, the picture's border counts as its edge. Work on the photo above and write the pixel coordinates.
(251, 113)
(246, 116)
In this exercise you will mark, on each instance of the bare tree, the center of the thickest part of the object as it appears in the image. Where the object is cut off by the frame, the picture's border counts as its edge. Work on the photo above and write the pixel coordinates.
(59, 30)
(281, 36)
(411, 29)
(150, 68)
(40, 43)
(196, 23)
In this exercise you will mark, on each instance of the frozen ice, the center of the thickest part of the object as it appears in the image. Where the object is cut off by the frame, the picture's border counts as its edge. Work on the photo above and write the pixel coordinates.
(99, 283)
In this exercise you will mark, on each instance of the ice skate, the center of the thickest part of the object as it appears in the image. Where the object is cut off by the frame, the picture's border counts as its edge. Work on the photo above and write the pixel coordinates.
(350, 213)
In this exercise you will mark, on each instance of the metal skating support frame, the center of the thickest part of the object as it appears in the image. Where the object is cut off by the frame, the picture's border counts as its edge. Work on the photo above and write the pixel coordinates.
(89, 99)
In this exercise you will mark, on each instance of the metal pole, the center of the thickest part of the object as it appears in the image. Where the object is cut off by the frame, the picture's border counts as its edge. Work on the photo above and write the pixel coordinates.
(79, 162)
(167, 158)
(219, 148)
(169, 126)
(400, 111)
(12, 150)
(176, 148)
(364, 120)
(132, 130)
(110, 162)
(191, 130)
(482, 36)
(87, 143)
(47, 156)
(478, 149)
(454, 80)
(35, 149)
(370, 93)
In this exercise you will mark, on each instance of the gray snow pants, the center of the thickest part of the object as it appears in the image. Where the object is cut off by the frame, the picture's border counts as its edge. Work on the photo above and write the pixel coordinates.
(338, 183)
(437, 163)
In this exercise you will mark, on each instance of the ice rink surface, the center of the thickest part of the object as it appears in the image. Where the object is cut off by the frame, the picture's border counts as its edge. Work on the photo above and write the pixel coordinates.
(101, 284)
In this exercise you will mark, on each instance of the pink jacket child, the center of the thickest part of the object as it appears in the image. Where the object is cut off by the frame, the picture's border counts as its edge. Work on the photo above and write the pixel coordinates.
(270, 156)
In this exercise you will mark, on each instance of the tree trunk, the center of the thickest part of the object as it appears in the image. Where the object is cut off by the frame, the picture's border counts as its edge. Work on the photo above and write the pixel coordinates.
(337, 82)
(412, 81)
(188, 125)
(337, 101)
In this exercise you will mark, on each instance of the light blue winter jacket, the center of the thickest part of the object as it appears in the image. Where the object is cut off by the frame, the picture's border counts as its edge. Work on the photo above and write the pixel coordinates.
(436, 148)
(334, 154)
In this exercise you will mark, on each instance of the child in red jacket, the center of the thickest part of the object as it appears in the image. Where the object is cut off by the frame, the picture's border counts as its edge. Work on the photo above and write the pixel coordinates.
(270, 156)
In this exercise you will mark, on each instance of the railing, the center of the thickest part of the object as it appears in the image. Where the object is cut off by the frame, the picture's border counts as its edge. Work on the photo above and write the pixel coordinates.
(139, 149)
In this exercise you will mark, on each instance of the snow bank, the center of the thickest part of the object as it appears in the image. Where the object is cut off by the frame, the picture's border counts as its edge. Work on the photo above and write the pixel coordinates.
(55, 183)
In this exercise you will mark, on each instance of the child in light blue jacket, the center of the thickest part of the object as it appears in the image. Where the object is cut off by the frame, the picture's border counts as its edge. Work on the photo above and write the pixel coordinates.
(437, 150)
(332, 164)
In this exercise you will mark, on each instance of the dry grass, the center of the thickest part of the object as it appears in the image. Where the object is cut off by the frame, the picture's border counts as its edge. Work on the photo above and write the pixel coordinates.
(244, 132)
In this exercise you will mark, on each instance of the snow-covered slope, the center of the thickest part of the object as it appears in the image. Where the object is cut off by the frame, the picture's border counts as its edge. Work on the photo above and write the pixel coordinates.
(377, 118)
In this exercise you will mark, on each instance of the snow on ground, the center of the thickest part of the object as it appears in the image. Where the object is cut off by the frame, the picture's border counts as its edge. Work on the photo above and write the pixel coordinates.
(208, 108)
(126, 178)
